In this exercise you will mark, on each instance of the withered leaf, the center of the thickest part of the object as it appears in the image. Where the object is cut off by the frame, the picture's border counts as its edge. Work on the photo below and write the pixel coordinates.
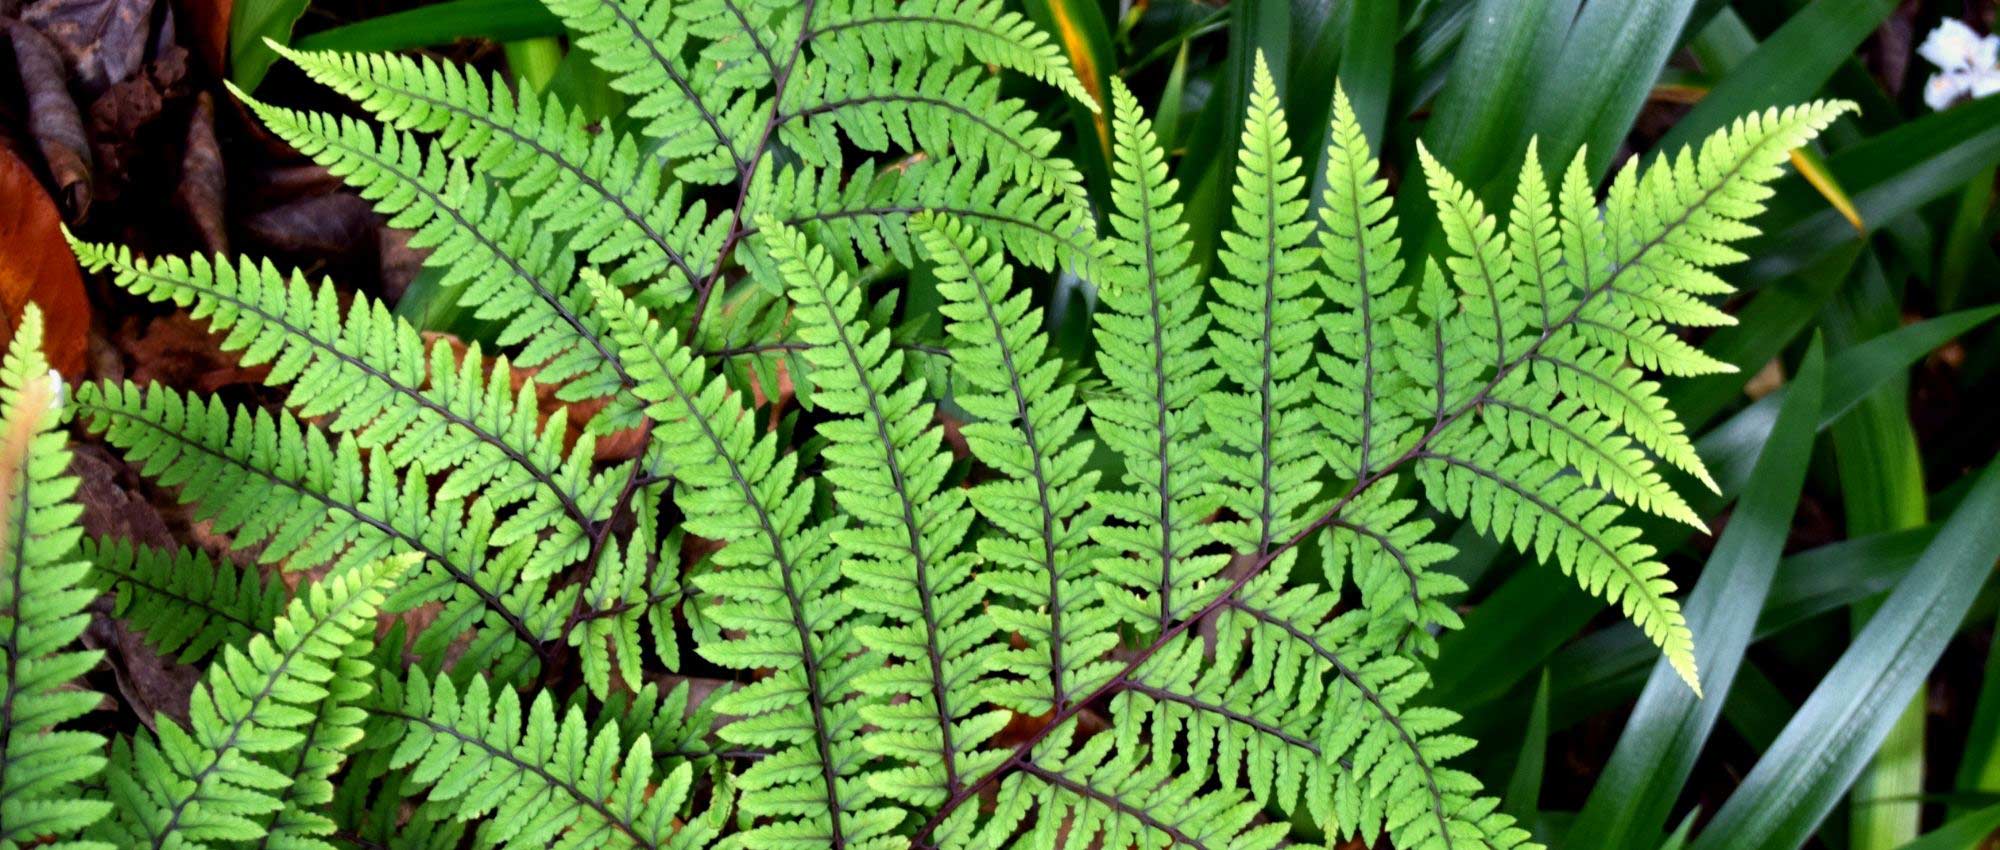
(203, 178)
(36, 265)
(53, 119)
(104, 40)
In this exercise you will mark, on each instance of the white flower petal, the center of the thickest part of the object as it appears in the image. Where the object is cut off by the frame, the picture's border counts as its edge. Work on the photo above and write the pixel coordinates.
(1953, 46)
(1984, 83)
(1986, 55)
(1942, 89)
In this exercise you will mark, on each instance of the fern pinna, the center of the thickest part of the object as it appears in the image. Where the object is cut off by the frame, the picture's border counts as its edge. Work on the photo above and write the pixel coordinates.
(964, 593)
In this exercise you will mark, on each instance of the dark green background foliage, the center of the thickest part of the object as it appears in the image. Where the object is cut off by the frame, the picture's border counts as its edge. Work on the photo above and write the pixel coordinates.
(980, 423)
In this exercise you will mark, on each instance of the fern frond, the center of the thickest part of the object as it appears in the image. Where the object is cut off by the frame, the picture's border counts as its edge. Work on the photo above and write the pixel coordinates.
(1267, 462)
(777, 583)
(539, 781)
(1027, 426)
(187, 604)
(1360, 250)
(854, 33)
(269, 481)
(919, 107)
(42, 596)
(887, 466)
(705, 114)
(299, 821)
(369, 374)
(1150, 329)
(205, 786)
(587, 193)
(869, 211)
(1533, 503)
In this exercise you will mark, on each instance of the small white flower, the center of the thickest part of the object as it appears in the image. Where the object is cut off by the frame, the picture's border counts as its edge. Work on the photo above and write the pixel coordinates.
(1968, 64)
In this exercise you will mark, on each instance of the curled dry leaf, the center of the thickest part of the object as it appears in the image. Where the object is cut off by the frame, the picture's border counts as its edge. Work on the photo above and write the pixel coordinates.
(103, 40)
(200, 191)
(53, 119)
(36, 265)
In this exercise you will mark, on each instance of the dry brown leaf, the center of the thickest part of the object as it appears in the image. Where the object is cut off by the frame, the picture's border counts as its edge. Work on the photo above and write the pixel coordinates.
(203, 179)
(36, 265)
(53, 119)
(103, 40)
(208, 21)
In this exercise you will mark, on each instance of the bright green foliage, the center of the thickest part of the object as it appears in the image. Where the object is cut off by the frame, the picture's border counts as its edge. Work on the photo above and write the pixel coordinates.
(1266, 458)
(260, 729)
(43, 589)
(544, 782)
(775, 583)
(186, 603)
(947, 619)
(1041, 552)
(1150, 332)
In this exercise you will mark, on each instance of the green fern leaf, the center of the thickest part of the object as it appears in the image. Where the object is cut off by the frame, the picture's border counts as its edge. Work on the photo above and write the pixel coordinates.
(1149, 334)
(539, 781)
(42, 598)
(269, 481)
(204, 786)
(776, 583)
(186, 603)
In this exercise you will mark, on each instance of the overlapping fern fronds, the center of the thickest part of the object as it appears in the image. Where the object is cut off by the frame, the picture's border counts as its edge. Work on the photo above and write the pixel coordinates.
(953, 620)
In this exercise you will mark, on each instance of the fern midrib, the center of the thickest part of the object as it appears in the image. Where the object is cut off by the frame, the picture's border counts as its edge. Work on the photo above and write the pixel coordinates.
(1160, 401)
(1114, 802)
(297, 772)
(1058, 673)
(886, 210)
(1267, 513)
(919, 562)
(1596, 542)
(206, 606)
(236, 728)
(1011, 137)
(743, 23)
(1402, 562)
(492, 602)
(523, 765)
(1199, 704)
(570, 504)
(1610, 467)
(1366, 299)
(746, 170)
(583, 178)
(1374, 699)
(809, 654)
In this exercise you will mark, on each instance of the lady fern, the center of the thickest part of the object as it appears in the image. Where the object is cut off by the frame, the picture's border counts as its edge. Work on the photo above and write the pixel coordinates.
(972, 595)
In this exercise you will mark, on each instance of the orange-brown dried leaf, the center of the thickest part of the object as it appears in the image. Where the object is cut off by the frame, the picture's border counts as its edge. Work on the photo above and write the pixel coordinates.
(36, 265)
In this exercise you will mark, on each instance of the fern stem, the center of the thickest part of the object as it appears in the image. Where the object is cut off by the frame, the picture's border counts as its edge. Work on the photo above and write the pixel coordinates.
(747, 169)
